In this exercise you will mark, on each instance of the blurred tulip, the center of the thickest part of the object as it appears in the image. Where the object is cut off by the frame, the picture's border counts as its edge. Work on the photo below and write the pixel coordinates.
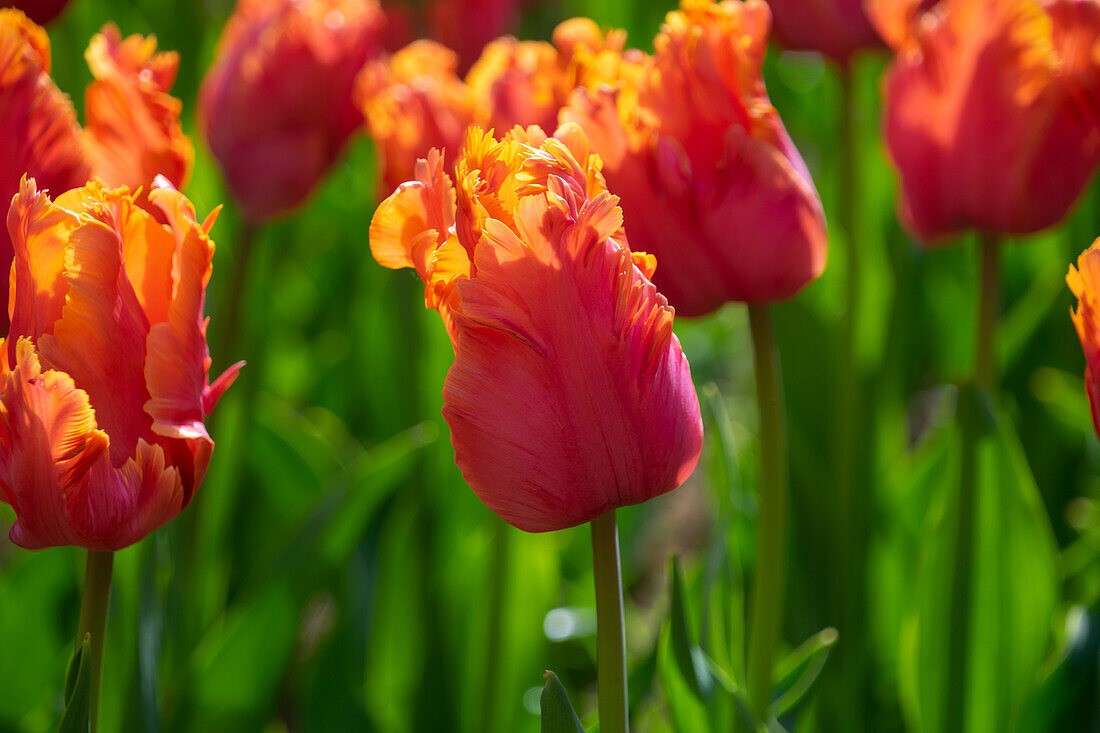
(992, 111)
(709, 180)
(415, 101)
(40, 11)
(836, 28)
(1084, 281)
(276, 107)
(569, 395)
(133, 132)
(105, 366)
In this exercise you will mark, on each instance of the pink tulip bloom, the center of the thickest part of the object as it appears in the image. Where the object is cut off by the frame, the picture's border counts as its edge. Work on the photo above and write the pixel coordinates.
(569, 395)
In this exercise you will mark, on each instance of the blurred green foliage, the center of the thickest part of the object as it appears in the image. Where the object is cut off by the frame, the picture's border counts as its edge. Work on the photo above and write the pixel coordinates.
(334, 571)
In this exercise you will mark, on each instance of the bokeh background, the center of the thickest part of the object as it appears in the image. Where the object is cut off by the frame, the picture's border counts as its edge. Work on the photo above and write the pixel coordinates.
(332, 574)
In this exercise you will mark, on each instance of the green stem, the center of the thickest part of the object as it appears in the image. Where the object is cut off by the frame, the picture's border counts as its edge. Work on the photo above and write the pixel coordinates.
(989, 306)
(498, 587)
(985, 375)
(93, 620)
(847, 528)
(768, 580)
(610, 631)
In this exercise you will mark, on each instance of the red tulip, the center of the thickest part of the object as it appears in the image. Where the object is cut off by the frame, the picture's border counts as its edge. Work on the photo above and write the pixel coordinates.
(569, 395)
(709, 180)
(105, 385)
(836, 28)
(992, 111)
(40, 11)
(276, 107)
(1084, 281)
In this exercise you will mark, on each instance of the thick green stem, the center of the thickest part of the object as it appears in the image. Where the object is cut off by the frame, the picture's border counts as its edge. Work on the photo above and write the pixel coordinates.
(93, 620)
(767, 598)
(494, 646)
(610, 631)
(985, 375)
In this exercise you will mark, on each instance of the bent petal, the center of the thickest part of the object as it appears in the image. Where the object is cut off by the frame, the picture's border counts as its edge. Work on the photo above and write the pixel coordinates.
(49, 443)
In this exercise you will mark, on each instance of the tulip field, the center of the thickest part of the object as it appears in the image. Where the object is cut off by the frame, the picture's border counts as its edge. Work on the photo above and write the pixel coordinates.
(502, 366)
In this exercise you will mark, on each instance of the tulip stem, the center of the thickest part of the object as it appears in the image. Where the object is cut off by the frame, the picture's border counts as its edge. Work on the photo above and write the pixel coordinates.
(610, 631)
(498, 587)
(985, 375)
(768, 580)
(989, 305)
(848, 525)
(93, 620)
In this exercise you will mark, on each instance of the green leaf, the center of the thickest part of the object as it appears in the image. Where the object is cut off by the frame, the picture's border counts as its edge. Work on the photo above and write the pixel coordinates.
(1009, 574)
(78, 693)
(796, 673)
(556, 711)
(689, 657)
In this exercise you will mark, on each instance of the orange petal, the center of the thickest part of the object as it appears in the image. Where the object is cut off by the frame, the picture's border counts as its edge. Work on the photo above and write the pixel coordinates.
(40, 231)
(100, 338)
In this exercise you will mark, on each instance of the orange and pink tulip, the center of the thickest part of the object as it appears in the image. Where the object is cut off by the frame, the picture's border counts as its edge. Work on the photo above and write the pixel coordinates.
(991, 111)
(710, 182)
(105, 367)
(569, 395)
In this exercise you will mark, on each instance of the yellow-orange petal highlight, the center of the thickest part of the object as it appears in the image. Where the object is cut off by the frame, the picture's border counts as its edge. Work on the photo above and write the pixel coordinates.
(569, 395)
(102, 435)
(1084, 281)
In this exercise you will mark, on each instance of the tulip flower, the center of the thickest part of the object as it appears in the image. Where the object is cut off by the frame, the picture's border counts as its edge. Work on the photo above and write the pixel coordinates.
(468, 25)
(836, 28)
(413, 102)
(569, 395)
(105, 366)
(992, 111)
(276, 107)
(1084, 281)
(710, 182)
(133, 132)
